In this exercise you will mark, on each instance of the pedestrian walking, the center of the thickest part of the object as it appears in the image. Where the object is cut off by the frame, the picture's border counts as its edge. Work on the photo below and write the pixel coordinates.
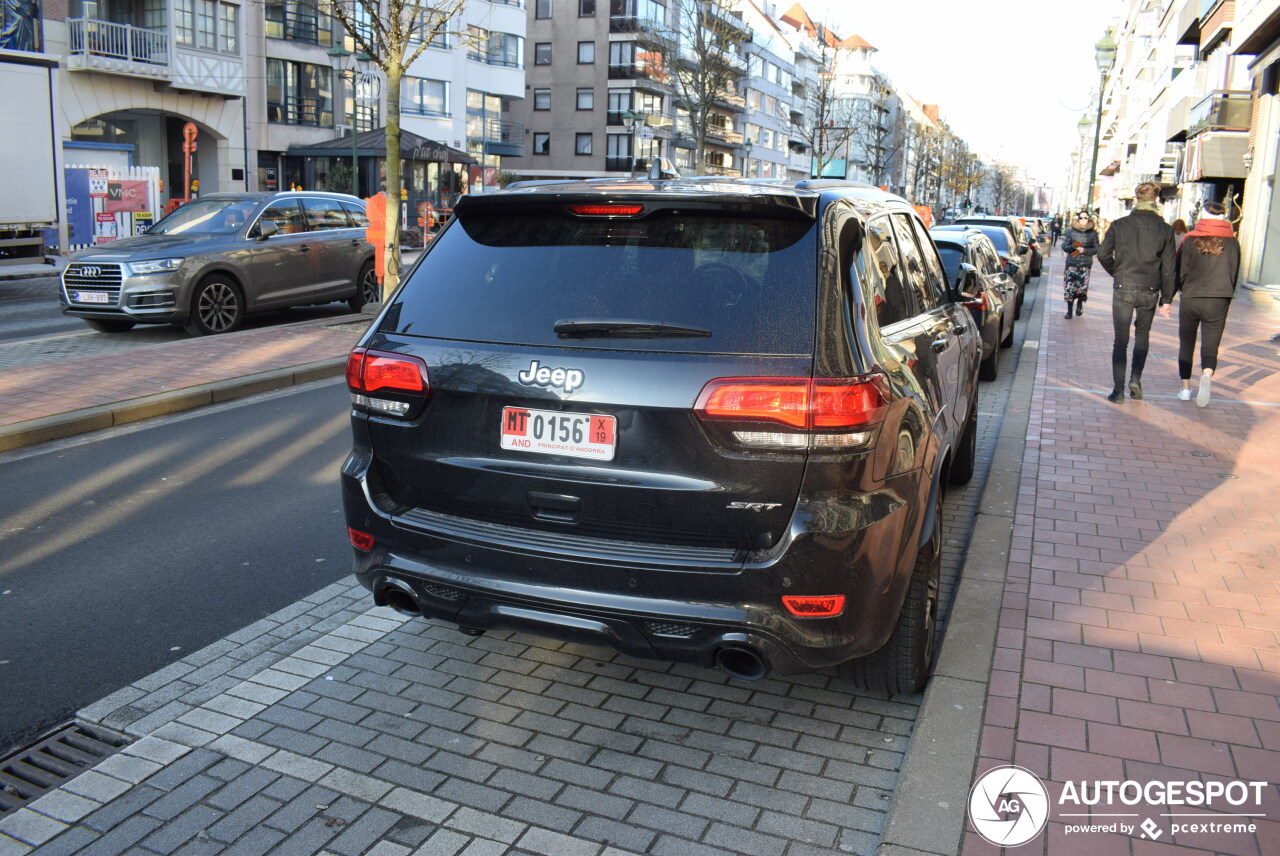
(1055, 231)
(1081, 245)
(1138, 253)
(1206, 269)
(1179, 231)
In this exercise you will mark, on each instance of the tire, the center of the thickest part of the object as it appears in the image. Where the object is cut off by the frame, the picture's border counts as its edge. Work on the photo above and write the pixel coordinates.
(1007, 341)
(902, 666)
(216, 307)
(368, 289)
(105, 325)
(1017, 306)
(990, 367)
(966, 454)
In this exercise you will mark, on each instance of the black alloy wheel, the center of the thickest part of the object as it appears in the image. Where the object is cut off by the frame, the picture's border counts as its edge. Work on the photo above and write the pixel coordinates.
(368, 289)
(216, 308)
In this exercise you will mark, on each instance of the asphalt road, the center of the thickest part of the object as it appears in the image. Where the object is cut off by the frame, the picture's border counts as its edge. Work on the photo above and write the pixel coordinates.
(125, 550)
(33, 328)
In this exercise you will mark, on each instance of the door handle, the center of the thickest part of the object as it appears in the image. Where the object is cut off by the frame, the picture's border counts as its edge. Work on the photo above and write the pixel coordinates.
(959, 329)
(302, 248)
(938, 345)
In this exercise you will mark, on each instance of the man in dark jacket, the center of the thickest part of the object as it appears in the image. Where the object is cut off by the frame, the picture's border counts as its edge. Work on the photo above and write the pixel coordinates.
(1138, 252)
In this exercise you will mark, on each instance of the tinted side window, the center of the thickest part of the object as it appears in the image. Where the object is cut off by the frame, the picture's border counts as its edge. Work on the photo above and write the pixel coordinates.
(356, 213)
(287, 215)
(933, 270)
(880, 271)
(325, 214)
(952, 256)
(913, 272)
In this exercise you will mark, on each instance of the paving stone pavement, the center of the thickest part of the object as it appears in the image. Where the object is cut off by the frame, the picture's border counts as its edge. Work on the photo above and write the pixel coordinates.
(339, 728)
(1138, 635)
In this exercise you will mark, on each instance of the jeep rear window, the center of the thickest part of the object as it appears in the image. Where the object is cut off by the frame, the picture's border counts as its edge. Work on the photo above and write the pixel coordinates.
(951, 258)
(510, 277)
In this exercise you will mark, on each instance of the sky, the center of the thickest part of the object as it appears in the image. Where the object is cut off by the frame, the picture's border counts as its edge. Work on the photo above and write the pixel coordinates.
(1011, 77)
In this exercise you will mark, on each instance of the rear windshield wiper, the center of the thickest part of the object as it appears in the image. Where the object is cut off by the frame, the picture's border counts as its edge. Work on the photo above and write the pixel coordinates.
(590, 328)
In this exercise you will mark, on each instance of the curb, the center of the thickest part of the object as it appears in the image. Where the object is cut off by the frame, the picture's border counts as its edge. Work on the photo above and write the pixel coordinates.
(75, 422)
(927, 815)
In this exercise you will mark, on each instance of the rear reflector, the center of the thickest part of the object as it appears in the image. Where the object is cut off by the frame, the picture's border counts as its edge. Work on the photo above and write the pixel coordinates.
(360, 540)
(599, 210)
(814, 606)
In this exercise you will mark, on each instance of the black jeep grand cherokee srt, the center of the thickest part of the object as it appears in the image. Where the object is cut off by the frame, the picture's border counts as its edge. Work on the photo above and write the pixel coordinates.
(703, 420)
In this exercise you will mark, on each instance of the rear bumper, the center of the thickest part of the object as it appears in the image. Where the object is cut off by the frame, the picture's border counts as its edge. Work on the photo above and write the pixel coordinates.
(672, 608)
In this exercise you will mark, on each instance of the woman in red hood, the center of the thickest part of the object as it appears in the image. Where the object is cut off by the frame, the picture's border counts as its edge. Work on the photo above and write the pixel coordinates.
(1206, 271)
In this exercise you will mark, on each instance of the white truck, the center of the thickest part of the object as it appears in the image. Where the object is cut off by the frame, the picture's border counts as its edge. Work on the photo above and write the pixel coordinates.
(29, 199)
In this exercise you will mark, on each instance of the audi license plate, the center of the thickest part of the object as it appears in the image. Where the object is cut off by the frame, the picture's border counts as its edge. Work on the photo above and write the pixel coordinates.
(90, 297)
(547, 432)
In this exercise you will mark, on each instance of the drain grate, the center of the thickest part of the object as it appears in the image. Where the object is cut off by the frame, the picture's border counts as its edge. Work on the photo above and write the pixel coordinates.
(671, 628)
(52, 760)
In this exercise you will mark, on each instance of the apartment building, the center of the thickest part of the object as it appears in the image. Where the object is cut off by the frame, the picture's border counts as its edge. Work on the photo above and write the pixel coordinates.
(1257, 40)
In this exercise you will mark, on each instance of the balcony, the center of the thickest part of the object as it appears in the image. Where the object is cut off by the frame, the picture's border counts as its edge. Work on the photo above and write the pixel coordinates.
(723, 137)
(736, 103)
(504, 137)
(1216, 154)
(112, 48)
(652, 28)
(1222, 110)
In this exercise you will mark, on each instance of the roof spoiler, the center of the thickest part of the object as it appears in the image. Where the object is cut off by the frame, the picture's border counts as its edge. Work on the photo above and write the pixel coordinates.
(663, 168)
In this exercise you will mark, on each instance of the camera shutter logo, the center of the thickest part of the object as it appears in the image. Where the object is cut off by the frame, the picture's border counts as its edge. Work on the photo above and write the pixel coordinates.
(1008, 806)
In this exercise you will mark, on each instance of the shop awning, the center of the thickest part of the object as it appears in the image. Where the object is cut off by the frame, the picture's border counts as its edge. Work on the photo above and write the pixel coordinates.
(374, 144)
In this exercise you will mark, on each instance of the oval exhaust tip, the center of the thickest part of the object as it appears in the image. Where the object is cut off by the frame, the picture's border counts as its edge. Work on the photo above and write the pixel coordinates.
(400, 600)
(741, 663)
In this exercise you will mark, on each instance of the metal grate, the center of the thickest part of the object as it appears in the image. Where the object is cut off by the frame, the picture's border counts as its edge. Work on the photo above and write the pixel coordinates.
(52, 760)
(442, 592)
(671, 628)
(82, 279)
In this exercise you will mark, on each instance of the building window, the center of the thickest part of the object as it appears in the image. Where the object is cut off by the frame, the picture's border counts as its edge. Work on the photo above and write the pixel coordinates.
(542, 9)
(586, 9)
(207, 24)
(228, 28)
(296, 20)
(299, 93)
(542, 53)
(542, 143)
(425, 97)
(542, 99)
(586, 99)
(586, 53)
(505, 49)
(582, 144)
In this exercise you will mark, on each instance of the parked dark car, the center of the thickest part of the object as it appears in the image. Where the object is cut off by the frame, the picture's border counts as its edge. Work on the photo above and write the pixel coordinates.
(973, 264)
(218, 258)
(1036, 258)
(1016, 264)
(706, 421)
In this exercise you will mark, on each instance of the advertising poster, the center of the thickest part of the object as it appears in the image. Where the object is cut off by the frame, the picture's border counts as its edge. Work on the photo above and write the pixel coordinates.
(79, 207)
(104, 228)
(126, 196)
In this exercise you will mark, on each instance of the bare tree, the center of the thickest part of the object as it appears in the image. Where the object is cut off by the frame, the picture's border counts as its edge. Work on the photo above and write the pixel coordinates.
(827, 119)
(876, 131)
(394, 33)
(920, 146)
(1002, 187)
(709, 62)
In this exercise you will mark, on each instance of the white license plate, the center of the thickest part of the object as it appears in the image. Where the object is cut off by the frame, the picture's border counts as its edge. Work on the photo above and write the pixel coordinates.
(91, 297)
(547, 432)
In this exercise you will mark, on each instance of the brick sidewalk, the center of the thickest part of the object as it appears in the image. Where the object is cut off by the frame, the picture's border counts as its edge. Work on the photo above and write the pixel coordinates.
(75, 383)
(1138, 635)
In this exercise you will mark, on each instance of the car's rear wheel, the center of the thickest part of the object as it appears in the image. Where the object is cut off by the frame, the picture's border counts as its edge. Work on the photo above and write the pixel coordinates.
(966, 454)
(368, 289)
(902, 665)
(108, 325)
(216, 307)
(1007, 341)
(990, 367)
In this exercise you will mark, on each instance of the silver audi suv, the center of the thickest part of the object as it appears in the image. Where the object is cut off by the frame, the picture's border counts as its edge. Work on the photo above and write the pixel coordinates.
(223, 256)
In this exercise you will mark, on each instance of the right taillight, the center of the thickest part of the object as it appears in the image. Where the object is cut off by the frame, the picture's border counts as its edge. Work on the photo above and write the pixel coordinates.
(980, 303)
(385, 382)
(791, 414)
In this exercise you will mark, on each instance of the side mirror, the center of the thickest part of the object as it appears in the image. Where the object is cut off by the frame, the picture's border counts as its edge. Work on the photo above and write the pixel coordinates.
(1024, 249)
(968, 286)
(267, 228)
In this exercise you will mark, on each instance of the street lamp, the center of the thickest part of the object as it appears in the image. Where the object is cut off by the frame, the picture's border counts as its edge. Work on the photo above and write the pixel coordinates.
(1105, 55)
(340, 59)
(746, 158)
(1085, 127)
(631, 120)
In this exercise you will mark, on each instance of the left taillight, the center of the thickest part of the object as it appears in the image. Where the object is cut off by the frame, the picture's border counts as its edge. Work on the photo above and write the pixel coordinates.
(386, 383)
(980, 303)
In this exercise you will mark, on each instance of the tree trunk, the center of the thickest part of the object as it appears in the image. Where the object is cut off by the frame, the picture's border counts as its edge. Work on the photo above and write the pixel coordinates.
(392, 246)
